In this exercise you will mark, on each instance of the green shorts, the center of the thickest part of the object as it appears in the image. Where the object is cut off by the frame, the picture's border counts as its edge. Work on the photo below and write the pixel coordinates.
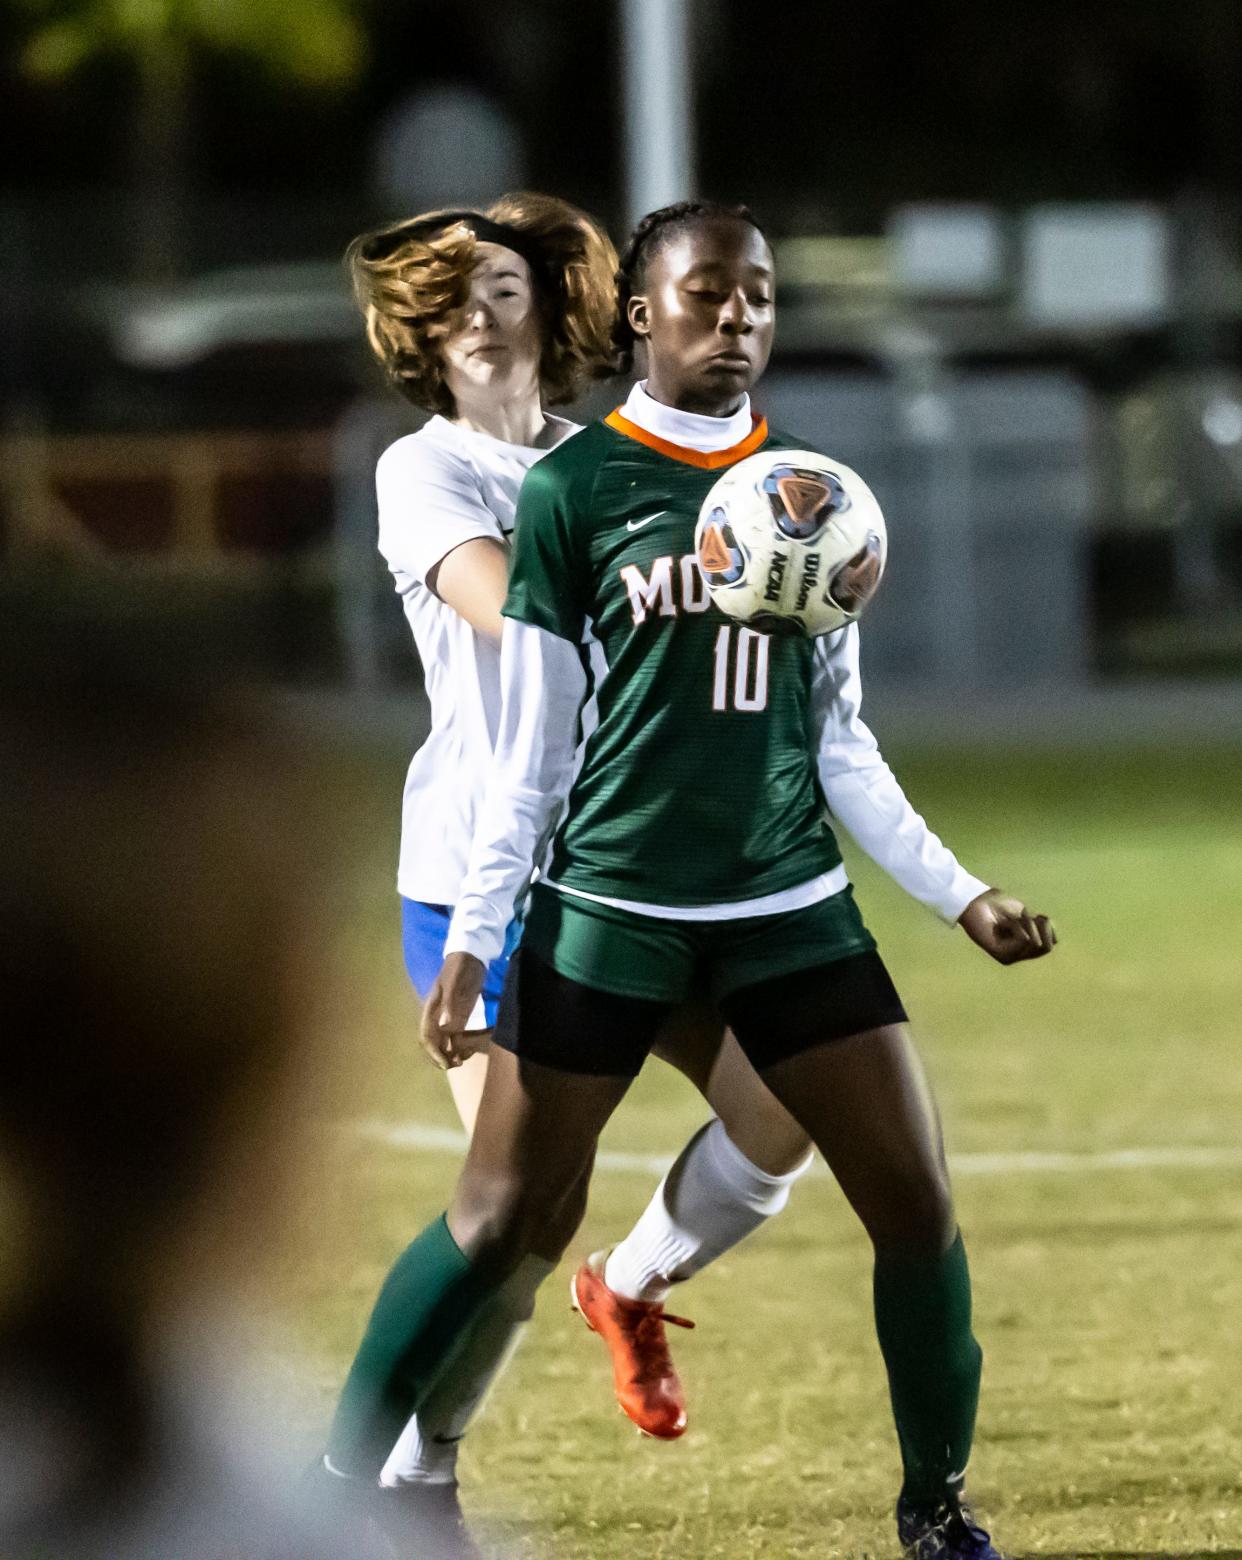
(664, 961)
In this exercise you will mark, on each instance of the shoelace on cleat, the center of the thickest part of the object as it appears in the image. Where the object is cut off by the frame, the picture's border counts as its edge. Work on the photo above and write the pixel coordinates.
(651, 1346)
(963, 1518)
(951, 1528)
(959, 1523)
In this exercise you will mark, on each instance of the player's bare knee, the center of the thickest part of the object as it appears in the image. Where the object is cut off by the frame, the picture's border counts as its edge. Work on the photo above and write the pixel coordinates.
(912, 1214)
(497, 1218)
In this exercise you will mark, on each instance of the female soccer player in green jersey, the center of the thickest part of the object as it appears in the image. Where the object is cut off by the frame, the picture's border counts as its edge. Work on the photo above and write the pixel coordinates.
(482, 319)
(677, 812)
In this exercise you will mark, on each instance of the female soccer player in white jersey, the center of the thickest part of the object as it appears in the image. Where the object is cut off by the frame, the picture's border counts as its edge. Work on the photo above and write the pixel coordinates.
(482, 319)
(690, 844)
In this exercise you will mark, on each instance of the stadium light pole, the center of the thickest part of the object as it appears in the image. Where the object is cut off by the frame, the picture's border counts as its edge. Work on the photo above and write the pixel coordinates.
(659, 104)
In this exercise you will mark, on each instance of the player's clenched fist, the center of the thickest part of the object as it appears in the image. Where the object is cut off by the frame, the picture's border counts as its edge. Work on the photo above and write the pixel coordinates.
(447, 1010)
(1003, 927)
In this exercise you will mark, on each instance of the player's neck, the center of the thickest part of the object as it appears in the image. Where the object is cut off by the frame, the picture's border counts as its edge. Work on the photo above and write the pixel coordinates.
(687, 398)
(516, 419)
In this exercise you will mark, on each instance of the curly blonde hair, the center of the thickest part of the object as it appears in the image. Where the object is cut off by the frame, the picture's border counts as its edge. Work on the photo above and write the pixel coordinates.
(409, 278)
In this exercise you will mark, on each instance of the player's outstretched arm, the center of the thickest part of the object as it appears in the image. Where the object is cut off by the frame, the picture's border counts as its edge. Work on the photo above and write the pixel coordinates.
(447, 1010)
(863, 794)
(1004, 928)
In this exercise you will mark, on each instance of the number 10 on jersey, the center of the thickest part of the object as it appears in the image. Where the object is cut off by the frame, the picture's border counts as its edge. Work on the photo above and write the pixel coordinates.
(740, 670)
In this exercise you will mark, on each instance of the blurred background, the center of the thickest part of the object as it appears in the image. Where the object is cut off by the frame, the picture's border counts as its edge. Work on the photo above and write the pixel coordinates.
(1010, 271)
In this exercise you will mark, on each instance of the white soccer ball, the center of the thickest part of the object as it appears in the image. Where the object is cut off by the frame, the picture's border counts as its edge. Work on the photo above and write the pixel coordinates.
(791, 542)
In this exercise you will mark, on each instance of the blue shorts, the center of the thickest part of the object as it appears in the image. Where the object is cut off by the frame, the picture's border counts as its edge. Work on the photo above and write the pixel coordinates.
(423, 931)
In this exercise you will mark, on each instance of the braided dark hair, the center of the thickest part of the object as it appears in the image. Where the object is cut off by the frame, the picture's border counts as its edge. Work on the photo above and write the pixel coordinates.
(654, 230)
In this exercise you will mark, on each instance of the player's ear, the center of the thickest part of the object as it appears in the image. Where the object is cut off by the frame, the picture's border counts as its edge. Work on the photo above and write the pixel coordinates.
(639, 316)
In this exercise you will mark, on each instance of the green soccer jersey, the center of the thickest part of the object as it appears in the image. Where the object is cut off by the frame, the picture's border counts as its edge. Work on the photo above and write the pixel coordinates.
(696, 781)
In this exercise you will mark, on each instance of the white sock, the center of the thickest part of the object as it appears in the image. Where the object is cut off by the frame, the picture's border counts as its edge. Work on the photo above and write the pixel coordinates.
(426, 1450)
(711, 1198)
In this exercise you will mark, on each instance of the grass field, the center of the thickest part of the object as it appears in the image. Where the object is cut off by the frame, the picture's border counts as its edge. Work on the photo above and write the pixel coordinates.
(1108, 1294)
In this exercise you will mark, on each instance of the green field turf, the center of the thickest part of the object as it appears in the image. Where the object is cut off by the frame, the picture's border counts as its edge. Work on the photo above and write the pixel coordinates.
(1109, 1299)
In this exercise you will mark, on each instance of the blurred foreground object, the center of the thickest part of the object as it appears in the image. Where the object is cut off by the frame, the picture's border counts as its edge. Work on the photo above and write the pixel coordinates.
(158, 965)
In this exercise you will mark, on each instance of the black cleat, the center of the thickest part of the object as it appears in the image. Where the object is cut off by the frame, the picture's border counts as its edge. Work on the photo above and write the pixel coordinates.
(340, 1514)
(425, 1522)
(943, 1530)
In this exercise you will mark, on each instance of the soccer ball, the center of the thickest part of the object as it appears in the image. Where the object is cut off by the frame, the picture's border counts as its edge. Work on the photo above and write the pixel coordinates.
(791, 542)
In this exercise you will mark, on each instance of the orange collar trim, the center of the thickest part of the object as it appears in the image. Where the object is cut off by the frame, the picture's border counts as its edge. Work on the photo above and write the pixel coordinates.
(708, 460)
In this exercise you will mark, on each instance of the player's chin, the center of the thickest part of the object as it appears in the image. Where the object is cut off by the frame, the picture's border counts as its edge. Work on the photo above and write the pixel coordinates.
(728, 376)
(493, 369)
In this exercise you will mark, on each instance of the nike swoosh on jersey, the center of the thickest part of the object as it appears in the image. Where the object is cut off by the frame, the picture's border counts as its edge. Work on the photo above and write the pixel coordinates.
(637, 525)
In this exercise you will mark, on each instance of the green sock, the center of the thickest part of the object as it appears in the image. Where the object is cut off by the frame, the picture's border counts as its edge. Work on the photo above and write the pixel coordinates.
(429, 1300)
(922, 1316)
(457, 1393)
(427, 1447)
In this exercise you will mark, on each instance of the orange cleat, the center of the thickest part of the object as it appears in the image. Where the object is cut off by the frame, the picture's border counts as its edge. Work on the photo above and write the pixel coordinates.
(643, 1374)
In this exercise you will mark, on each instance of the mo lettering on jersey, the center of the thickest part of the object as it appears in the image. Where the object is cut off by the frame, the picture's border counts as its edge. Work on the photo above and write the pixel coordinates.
(674, 585)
